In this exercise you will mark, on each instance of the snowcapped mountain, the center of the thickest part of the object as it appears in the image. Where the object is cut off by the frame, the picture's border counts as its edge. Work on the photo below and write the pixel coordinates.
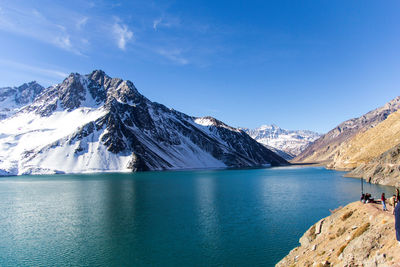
(93, 123)
(13, 98)
(287, 143)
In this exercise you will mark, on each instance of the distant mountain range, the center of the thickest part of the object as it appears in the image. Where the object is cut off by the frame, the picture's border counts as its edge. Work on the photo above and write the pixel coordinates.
(368, 146)
(13, 98)
(286, 143)
(93, 123)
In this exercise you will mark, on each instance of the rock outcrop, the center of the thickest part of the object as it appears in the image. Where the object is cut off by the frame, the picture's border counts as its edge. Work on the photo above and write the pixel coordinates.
(384, 169)
(355, 235)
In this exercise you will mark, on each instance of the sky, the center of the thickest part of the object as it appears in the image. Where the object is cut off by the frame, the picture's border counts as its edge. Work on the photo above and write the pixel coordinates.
(297, 64)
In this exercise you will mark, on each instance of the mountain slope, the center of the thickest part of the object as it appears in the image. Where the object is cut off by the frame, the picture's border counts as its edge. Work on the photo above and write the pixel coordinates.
(367, 145)
(290, 143)
(93, 122)
(13, 98)
(384, 169)
(324, 148)
(373, 154)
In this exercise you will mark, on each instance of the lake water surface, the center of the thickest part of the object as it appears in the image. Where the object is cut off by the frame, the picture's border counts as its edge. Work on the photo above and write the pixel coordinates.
(184, 218)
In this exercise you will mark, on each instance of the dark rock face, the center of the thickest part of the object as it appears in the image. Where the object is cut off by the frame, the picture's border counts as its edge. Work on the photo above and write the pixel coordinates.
(154, 136)
(71, 92)
(324, 148)
(27, 92)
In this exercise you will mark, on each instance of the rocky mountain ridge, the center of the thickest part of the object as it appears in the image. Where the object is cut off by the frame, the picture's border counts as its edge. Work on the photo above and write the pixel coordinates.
(13, 98)
(368, 145)
(324, 149)
(93, 122)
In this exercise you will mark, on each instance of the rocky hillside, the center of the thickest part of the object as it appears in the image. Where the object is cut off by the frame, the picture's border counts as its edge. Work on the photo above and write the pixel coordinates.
(325, 148)
(92, 123)
(366, 146)
(13, 98)
(287, 143)
(384, 169)
(356, 235)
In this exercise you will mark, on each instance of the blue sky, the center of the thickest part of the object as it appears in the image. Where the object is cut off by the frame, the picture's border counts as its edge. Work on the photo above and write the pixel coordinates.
(298, 64)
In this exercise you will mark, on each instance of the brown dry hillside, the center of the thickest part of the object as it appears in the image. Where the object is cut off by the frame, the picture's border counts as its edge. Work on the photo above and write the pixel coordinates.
(324, 148)
(356, 235)
(365, 146)
(384, 169)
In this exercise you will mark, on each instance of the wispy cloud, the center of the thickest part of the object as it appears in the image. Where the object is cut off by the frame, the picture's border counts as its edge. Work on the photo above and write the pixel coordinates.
(174, 55)
(63, 42)
(155, 33)
(156, 22)
(53, 73)
(81, 22)
(32, 23)
(122, 34)
(165, 21)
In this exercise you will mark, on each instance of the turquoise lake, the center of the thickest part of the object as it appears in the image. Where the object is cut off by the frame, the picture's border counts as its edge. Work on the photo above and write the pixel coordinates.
(250, 217)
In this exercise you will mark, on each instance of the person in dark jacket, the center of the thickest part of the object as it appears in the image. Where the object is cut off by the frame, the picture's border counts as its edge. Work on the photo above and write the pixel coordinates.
(397, 221)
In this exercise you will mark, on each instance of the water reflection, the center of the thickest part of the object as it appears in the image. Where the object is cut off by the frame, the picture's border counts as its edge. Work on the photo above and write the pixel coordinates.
(207, 210)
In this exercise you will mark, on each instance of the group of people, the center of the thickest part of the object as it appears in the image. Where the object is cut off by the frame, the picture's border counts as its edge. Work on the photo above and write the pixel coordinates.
(394, 201)
(367, 198)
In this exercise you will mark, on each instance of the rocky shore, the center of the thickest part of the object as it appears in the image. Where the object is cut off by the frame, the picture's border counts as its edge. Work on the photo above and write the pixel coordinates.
(355, 235)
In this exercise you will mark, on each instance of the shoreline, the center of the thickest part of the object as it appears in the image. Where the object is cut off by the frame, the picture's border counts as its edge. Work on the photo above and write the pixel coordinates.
(352, 173)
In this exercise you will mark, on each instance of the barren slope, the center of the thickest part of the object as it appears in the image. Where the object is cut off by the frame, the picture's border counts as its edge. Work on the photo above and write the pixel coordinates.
(356, 235)
(365, 146)
(384, 169)
(324, 148)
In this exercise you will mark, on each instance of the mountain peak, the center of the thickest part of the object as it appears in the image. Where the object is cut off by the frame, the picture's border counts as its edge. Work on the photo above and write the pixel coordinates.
(97, 75)
(99, 72)
(101, 123)
(394, 102)
(13, 98)
(268, 127)
(289, 141)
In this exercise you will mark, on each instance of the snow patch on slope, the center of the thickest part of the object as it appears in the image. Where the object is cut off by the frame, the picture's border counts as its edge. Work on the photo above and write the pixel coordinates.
(84, 156)
(27, 133)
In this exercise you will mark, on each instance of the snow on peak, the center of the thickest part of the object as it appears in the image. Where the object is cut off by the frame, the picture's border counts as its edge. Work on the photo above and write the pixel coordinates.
(14, 98)
(292, 142)
(93, 122)
(210, 121)
(205, 121)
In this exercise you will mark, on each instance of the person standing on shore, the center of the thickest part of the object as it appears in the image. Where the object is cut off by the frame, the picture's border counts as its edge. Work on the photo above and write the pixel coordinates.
(397, 221)
(383, 199)
(396, 199)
